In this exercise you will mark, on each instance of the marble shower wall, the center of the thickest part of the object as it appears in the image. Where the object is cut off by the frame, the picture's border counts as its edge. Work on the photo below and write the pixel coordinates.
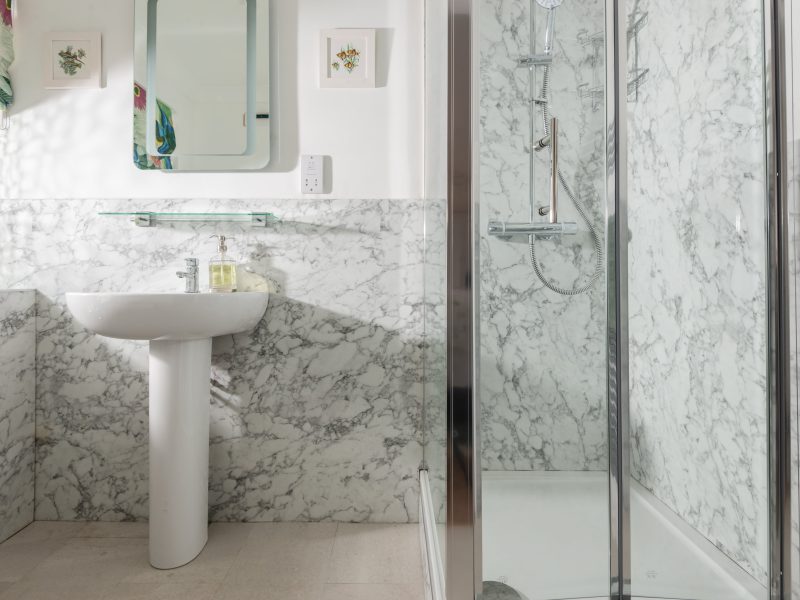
(17, 390)
(316, 415)
(542, 379)
(697, 276)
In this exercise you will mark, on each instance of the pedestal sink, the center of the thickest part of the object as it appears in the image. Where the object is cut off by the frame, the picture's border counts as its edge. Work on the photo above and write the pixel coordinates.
(179, 328)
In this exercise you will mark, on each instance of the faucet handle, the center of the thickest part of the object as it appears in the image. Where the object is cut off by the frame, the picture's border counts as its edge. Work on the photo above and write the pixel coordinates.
(191, 276)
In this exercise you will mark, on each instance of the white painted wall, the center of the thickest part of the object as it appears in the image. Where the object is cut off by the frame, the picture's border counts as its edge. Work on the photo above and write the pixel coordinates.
(436, 65)
(77, 143)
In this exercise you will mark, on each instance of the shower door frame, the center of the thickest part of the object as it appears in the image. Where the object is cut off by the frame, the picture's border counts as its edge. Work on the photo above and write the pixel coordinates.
(463, 530)
(777, 89)
(463, 560)
(617, 351)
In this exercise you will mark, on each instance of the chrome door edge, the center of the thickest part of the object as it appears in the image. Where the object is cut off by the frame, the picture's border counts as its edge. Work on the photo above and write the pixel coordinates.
(777, 80)
(617, 295)
(463, 577)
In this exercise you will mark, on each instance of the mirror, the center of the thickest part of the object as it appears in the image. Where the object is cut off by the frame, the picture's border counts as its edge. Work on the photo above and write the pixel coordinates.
(201, 85)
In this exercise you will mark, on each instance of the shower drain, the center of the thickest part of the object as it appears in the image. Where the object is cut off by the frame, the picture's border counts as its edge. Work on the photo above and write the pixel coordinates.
(494, 590)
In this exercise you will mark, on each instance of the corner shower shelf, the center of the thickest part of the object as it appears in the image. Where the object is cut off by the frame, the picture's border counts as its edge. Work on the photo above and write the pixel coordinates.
(151, 219)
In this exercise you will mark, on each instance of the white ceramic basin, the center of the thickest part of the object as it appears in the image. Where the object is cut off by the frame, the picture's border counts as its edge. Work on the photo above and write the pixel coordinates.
(168, 316)
(179, 328)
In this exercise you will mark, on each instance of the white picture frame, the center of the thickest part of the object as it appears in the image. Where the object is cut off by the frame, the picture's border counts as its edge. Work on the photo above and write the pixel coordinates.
(347, 58)
(72, 60)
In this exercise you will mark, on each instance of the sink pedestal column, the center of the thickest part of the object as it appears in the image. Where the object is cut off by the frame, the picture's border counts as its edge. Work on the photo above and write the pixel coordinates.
(179, 437)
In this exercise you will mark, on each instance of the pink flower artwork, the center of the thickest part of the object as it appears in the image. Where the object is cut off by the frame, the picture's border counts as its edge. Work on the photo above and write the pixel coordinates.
(139, 96)
(5, 12)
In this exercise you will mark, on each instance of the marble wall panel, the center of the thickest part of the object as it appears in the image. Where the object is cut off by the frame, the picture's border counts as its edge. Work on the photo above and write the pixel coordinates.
(17, 396)
(316, 414)
(542, 369)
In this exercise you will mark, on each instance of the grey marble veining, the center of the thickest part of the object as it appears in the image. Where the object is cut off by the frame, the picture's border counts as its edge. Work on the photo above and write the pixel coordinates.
(697, 272)
(316, 415)
(17, 390)
(542, 356)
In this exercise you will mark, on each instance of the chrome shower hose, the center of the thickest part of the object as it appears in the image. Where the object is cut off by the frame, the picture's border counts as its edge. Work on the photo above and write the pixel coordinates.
(579, 206)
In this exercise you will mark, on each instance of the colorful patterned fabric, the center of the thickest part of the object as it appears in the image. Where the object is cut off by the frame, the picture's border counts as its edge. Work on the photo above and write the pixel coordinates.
(165, 132)
(6, 54)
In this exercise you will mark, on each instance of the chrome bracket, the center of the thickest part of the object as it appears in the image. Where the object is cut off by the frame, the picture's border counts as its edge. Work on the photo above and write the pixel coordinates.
(143, 220)
(259, 219)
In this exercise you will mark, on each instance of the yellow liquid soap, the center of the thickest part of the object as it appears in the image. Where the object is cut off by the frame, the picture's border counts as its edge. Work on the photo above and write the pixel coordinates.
(222, 276)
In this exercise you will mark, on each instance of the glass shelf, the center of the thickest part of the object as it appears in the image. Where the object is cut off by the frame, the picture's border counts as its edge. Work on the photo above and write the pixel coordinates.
(151, 219)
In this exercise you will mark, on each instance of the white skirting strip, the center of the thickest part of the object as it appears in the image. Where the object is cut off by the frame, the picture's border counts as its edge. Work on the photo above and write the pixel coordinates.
(429, 538)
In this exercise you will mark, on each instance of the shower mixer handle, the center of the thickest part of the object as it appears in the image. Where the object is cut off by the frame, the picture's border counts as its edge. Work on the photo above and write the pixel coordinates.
(503, 229)
(553, 142)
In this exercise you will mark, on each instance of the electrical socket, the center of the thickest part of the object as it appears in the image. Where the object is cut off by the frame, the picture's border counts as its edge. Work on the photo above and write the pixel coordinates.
(313, 174)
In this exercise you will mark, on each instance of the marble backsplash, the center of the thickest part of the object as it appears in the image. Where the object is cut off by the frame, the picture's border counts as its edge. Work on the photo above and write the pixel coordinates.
(542, 363)
(17, 390)
(316, 415)
(697, 278)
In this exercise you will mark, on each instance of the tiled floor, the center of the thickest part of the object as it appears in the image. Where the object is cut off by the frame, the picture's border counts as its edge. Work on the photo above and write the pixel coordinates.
(253, 561)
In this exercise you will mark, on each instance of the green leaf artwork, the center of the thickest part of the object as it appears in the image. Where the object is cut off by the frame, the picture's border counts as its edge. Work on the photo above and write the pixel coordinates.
(71, 60)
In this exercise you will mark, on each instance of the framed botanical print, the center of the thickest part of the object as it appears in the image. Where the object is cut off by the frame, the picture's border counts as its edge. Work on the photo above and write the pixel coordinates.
(347, 58)
(73, 60)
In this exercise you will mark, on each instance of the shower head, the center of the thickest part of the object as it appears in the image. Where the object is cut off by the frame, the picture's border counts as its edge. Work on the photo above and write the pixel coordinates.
(550, 31)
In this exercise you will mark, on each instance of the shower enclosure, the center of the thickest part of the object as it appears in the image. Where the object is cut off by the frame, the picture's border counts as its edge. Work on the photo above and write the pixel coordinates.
(610, 404)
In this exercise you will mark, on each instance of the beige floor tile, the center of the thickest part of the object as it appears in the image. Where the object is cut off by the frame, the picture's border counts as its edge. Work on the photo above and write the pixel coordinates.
(18, 560)
(163, 591)
(26, 550)
(271, 591)
(260, 561)
(372, 591)
(30, 589)
(284, 553)
(365, 553)
(114, 530)
(43, 531)
(97, 560)
(90, 590)
(225, 541)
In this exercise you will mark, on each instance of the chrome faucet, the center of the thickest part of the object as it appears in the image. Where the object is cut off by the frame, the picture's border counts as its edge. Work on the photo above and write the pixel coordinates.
(191, 276)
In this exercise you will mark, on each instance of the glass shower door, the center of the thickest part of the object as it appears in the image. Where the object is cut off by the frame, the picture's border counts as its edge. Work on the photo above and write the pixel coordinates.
(542, 301)
(627, 402)
(697, 289)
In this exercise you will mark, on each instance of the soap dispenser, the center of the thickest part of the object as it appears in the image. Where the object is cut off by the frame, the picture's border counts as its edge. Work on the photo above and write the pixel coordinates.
(222, 270)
